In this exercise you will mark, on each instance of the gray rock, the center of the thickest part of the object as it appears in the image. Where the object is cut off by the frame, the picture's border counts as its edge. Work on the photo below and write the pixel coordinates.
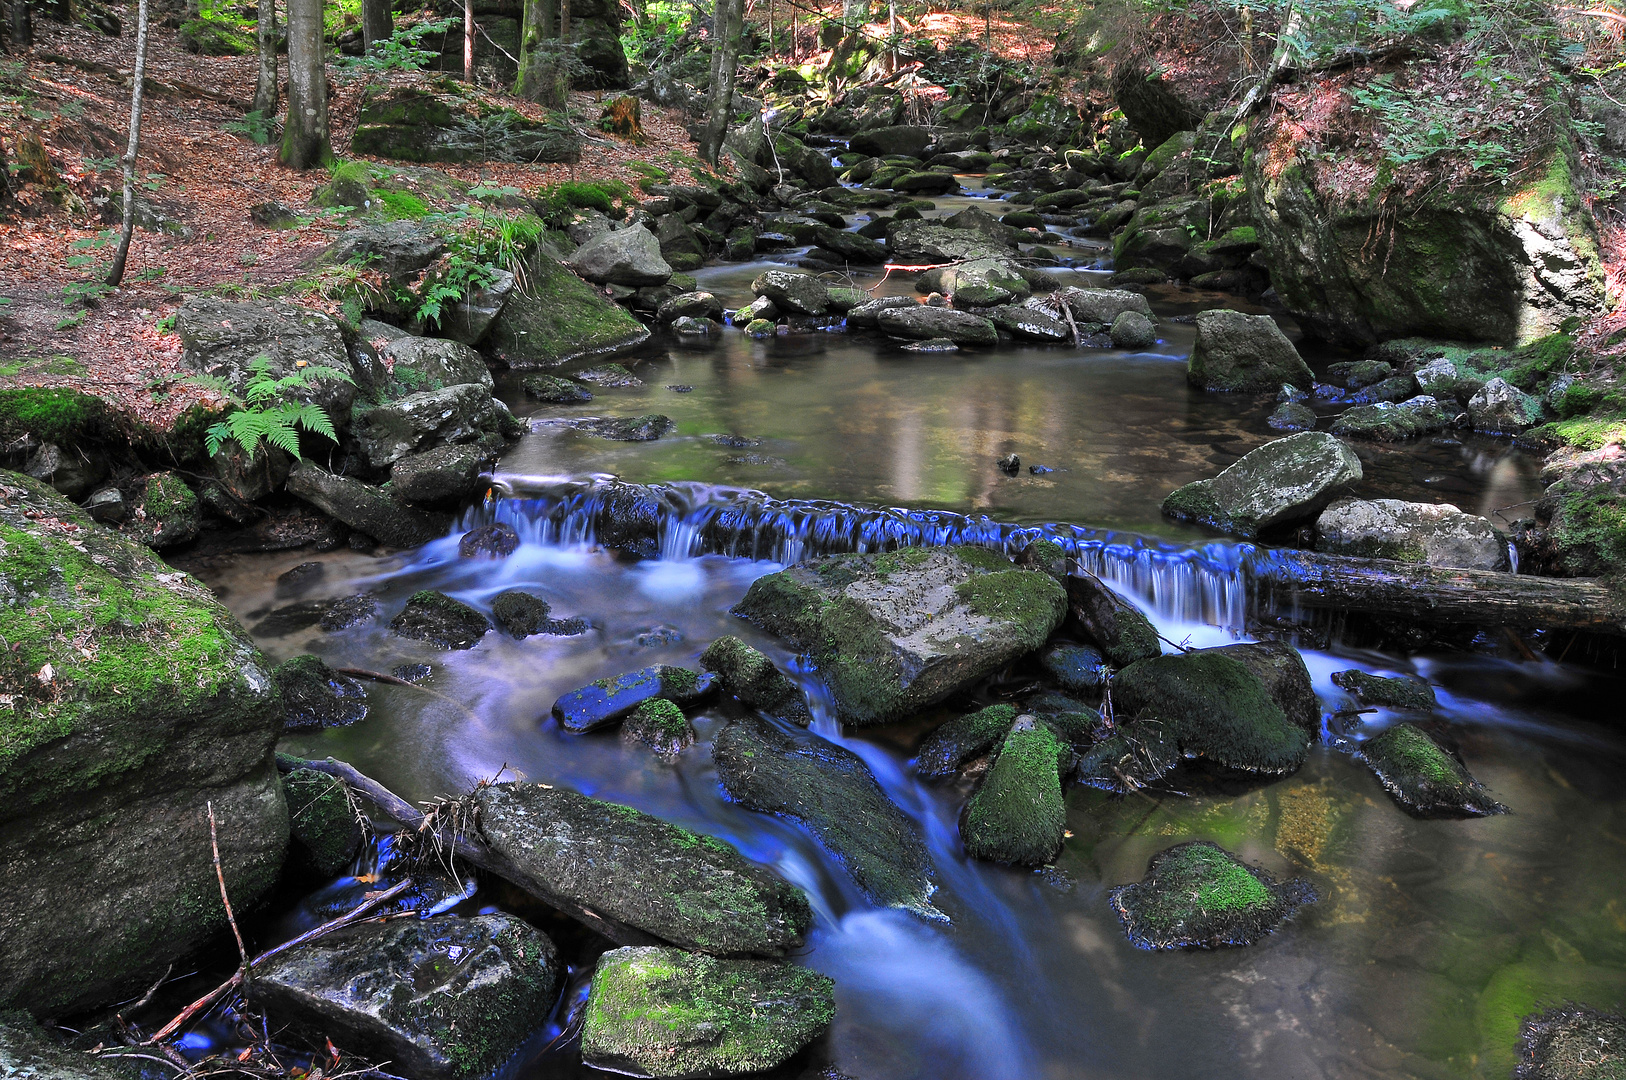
(926, 183)
(1388, 422)
(1291, 416)
(222, 338)
(1238, 352)
(1437, 377)
(418, 364)
(905, 140)
(894, 633)
(645, 428)
(611, 376)
(751, 677)
(635, 877)
(689, 326)
(1275, 486)
(107, 506)
(165, 514)
(456, 414)
(1122, 632)
(760, 308)
(802, 294)
(1432, 534)
(978, 283)
(1502, 409)
(1028, 323)
(1408, 693)
(365, 508)
(1132, 330)
(666, 1013)
(922, 322)
(606, 702)
(467, 320)
(701, 305)
(393, 248)
(629, 256)
(73, 473)
(920, 240)
(251, 477)
(830, 790)
(850, 245)
(444, 478)
(868, 314)
(551, 388)
(444, 997)
(1103, 305)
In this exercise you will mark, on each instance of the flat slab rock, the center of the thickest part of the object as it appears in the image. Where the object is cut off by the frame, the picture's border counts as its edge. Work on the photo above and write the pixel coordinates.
(896, 632)
(638, 878)
(667, 1013)
(1200, 896)
(445, 997)
(1273, 487)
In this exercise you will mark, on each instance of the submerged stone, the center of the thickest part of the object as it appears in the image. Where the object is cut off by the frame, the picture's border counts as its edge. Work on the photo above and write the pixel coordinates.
(896, 632)
(1139, 753)
(612, 376)
(440, 997)
(624, 872)
(554, 390)
(1017, 815)
(1393, 693)
(1199, 896)
(315, 696)
(645, 428)
(606, 701)
(498, 540)
(830, 790)
(1572, 1042)
(946, 750)
(1291, 416)
(1116, 626)
(326, 828)
(348, 611)
(1425, 778)
(661, 726)
(750, 676)
(437, 619)
(1273, 487)
(666, 1013)
(1077, 669)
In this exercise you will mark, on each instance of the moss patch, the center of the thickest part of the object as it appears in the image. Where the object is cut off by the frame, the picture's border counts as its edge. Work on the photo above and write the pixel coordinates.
(1198, 895)
(1017, 815)
(1425, 778)
(55, 415)
(948, 748)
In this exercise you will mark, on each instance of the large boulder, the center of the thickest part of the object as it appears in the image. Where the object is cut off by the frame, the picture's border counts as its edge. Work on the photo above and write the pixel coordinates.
(920, 240)
(1499, 408)
(559, 318)
(444, 478)
(1276, 486)
(457, 414)
(830, 790)
(396, 249)
(412, 365)
(904, 139)
(1580, 523)
(410, 123)
(1235, 351)
(1427, 533)
(467, 319)
(444, 998)
(629, 256)
(1116, 626)
(224, 338)
(921, 322)
(802, 294)
(1103, 306)
(667, 1013)
(894, 633)
(365, 508)
(635, 877)
(134, 700)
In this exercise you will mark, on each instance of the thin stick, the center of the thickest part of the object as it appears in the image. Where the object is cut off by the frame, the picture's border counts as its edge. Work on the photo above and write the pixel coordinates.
(391, 680)
(220, 876)
(349, 917)
(148, 996)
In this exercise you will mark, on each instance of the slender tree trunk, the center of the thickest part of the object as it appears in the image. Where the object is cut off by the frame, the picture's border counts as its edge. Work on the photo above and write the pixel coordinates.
(265, 86)
(536, 26)
(564, 21)
(468, 41)
(22, 25)
(725, 54)
(376, 23)
(116, 274)
(305, 139)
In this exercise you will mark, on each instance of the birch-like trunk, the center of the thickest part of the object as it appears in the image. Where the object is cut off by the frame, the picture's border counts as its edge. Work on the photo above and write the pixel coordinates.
(265, 85)
(139, 77)
(725, 55)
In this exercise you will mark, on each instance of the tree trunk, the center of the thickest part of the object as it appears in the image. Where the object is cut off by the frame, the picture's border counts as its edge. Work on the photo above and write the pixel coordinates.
(116, 274)
(376, 23)
(265, 86)
(468, 41)
(22, 25)
(536, 26)
(725, 54)
(564, 21)
(305, 139)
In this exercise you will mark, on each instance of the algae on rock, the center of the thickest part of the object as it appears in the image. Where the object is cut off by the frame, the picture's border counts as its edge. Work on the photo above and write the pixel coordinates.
(1199, 896)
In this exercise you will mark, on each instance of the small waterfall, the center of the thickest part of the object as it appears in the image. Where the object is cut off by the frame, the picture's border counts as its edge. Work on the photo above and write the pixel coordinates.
(1206, 583)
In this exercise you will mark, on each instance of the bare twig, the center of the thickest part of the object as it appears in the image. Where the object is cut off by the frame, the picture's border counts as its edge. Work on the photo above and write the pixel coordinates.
(220, 876)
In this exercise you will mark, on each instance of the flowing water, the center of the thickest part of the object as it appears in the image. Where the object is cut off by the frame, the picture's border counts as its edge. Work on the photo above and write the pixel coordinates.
(1431, 938)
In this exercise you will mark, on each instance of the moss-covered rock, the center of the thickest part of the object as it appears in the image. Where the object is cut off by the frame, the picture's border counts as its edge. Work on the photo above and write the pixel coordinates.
(750, 676)
(315, 696)
(1116, 626)
(1581, 520)
(830, 790)
(166, 513)
(895, 632)
(661, 726)
(1217, 709)
(662, 1012)
(1386, 421)
(1236, 352)
(1017, 815)
(57, 415)
(1200, 896)
(413, 124)
(326, 827)
(1424, 777)
(554, 390)
(1141, 752)
(29, 1052)
(443, 998)
(557, 318)
(1392, 693)
(1572, 1042)
(607, 701)
(950, 746)
(618, 869)
(132, 699)
(1271, 488)
(437, 619)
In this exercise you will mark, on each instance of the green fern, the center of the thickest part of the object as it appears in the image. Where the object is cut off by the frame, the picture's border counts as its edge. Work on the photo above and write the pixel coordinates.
(261, 416)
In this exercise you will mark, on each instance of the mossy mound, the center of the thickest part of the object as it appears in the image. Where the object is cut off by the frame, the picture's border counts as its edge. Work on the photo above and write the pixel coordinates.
(55, 415)
(661, 726)
(947, 749)
(1216, 708)
(1572, 1042)
(666, 1013)
(1017, 815)
(1391, 693)
(554, 390)
(326, 828)
(1425, 778)
(557, 318)
(166, 513)
(437, 619)
(315, 696)
(413, 124)
(1199, 896)
(750, 676)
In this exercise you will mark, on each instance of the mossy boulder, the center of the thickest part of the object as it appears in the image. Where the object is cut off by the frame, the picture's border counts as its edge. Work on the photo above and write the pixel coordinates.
(436, 619)
(223, 338)
(451, 416)
(557, 318)
(444, 998)
(554, 390)
(951, 745)
(1217, 708)
(315, 696)
(1386, 421)
(661, 726)
(1017, 815)
(1240, 352)
(1274, 487)
(667, 1013)
(1116, 626)
(896, 632)
(1581, 520)
(634, 877)
(132, 697)
(1200, 896)
(1433, 534)
(750, 676)
(1372, 689)
(1572, 1042)
(1424, 777)
(443, 478)
(326, 828)
(408, 123)
(832, 792)
(35, 415)
(165, 514)
(605, 702)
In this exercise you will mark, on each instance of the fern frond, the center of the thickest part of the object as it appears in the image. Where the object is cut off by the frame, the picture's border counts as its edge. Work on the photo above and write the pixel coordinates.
(314, 418)
(284, 437)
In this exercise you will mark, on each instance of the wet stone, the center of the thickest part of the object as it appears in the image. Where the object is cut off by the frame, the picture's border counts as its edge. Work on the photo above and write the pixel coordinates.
(348, 611)
(661, 726)
(752, 678)
(1077, 669)
(646, 428)
(950, 746)
(1425, 778)
(290, 618)
(437, 619)
(1291, 416)
(315, 696)
(608, 376)
(498, 541)
(1137, 753)
(412, 673)
(1017, 815)
(658, 637)
(1117, 627)
(1391, 693)
(607, 701)
(300, 578)
(519, 614)
(1200, 896)
(325, 828)
(554, 390)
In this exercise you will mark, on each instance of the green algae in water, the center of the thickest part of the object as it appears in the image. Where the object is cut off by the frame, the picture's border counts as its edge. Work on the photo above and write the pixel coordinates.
(1423, 777)
(1198, 895)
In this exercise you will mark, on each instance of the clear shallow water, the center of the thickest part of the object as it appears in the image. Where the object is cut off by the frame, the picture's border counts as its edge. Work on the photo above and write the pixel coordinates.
(1431, 937)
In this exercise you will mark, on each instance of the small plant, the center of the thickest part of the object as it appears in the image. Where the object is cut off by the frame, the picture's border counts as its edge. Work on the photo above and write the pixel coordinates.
(402, 51)
(263, 415)
(256, 126)
(166, 325)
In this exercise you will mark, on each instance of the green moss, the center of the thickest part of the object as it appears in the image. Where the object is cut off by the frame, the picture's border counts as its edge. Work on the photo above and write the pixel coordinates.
(55, 415)
(1017, 815)
(1423, 777)
(1518, 990)
(662, 726)
(979, 557)
(1032, 602)
(678, 681)
(551, 200)
(948, 748)
(1198, 894)
(399, 205)
(166, 497)
(1588, 531)
(559, 316)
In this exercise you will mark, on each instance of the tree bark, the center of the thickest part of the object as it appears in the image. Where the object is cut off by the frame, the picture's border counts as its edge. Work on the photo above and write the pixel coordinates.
(265, 85)
(468, 41)
(1435, 595)
(537, 25)
(376, 22)
(22, 25)
(725, 54)
(305, 140)
(122, 255)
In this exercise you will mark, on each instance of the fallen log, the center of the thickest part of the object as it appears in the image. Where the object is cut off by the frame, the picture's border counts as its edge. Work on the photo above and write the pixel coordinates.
(1437, 595)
